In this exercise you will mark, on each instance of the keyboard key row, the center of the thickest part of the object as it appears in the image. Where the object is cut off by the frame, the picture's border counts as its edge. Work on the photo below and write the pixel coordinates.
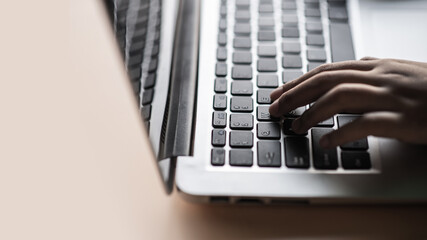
(269, 155)
(244, 87)
(296, 148)
(245, 104)
(296, 156)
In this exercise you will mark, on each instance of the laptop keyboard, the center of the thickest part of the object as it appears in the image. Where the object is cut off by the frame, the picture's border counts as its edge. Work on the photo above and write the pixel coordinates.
(137, 28)
(256, 53)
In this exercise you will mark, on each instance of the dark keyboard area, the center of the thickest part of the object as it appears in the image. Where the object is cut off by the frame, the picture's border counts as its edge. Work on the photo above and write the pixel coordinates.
(262, 44)
(137, 27)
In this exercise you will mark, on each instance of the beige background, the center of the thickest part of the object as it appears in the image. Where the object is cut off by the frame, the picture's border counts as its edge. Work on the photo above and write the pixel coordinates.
(72, 159)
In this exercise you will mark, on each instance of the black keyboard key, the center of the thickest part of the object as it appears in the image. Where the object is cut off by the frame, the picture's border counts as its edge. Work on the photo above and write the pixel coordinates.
(223, 11)
(314, 27)
(269, 154)
(289, 5)
(222, 39)
(242, 29)
(268, 130)
(355, 160)
(341, 3)
(291, 47)
(218, 137)
(220, 85)
(137, 48)
(221, 54)
(241, 72)
(242, 42)
(243, 3)
(218, 157)
(155, 50)
(139, 35)
(243, 121)
(316, 55)
(290, 20)
(297, 152)
(313, 65)
(266, 65)
(265, 8)
(312, 12)
(147, 96)
(264, 35)
(361, 144)
(289, 75)
(291, 61)
(338, 13)
(221, 69)
(241, 88)
(135, 74)
(136, 87)
(266, 22)
(146, 112)
(315, 40)
(219, 119)
(242, 57)
(267, 51)
(326, 123)
(222, 24)
(152, 67)
(263, 114)
(341, 42)
(241, 139)
(220, 102)
(241, 157)
(242, 15)
(287, 128)
(323, 158)
(263, 96)
(290, 32)
(267, 81)
(135, 60)
(150, 81)
(241, 104)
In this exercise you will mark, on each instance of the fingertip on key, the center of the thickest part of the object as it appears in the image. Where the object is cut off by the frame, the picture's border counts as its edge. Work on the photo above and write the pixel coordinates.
(274, 108)
(276, 93)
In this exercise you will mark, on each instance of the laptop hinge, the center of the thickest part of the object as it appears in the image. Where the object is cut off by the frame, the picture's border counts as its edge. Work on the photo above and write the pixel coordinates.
(178, 127)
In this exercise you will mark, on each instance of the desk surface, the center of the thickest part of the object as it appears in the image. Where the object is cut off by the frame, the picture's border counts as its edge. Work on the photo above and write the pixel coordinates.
(72, 165)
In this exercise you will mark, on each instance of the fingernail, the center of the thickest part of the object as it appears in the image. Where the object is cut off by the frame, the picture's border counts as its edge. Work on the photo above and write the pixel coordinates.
(324, 142)
(274, 108)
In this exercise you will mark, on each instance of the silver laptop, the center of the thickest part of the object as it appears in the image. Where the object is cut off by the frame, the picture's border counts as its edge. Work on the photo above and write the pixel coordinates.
(203, 70)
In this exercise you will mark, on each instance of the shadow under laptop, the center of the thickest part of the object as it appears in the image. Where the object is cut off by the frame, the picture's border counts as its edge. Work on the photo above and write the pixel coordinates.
(278, 222)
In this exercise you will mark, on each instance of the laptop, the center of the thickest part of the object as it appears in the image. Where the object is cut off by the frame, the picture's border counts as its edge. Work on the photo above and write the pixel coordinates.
(202, 72)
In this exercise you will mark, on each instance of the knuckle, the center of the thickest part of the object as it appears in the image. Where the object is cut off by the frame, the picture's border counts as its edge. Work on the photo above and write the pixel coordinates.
(325, 67)
(386, 65)
(320, 79)
(341, 92)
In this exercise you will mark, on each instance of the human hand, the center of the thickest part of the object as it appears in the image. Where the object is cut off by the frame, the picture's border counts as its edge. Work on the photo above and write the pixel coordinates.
(391, 94)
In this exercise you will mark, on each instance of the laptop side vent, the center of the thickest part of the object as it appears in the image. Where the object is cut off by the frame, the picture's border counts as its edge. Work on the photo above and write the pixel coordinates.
(165, 120)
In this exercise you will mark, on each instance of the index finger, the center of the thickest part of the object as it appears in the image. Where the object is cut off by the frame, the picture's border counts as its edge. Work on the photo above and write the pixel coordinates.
(345, 65)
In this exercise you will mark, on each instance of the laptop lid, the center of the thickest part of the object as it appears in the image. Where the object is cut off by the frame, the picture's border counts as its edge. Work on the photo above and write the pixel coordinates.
(171, 27)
